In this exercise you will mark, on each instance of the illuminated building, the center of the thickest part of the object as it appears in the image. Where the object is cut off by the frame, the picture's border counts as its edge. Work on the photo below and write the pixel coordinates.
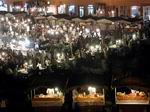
(130, 8)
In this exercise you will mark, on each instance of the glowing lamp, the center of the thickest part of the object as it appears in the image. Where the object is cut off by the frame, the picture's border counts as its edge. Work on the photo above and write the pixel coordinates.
(58, 55)
(56, 89)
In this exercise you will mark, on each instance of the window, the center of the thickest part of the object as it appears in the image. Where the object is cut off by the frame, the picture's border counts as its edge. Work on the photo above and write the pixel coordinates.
(146, 13)
(81, 10)
(3, 7)
(62, 9)
(72, 10)
(135, 11)
(90, 9)
(52, 9)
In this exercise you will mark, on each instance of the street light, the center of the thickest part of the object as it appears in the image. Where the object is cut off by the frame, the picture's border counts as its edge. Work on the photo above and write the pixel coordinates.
(48, 2)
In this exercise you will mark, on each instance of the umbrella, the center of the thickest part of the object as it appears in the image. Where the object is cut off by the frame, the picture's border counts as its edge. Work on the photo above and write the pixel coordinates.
(77, 19)
(63, 20)
(40, 17)
(9, 15)
(51, 18)
(123, 21)
(103, 26)
(90, 20)
(104, 21)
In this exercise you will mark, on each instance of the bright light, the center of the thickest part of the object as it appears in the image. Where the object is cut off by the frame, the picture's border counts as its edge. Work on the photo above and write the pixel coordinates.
(89, 88)
(13, 40)
(6, 18)
(134, 37)
(112, 11)
(3, 53)
(49, 31)
(25, 63)
(61, 31)
(134, 8)
(27, 42)
(42, 26)
(9, 23)
(48, 2)
(58, 55)
(52, 32)
(101, 12)
(40, 10)
(97, 30)
(22, 9)
(56, 89)
(17, 7)
(119, 42)
(67, 39)
(33, 27)
(47, 26)
(97, 46)
(28, 28)
(72, 25)
(57, 33)
(29, 20)
(21, 43)
(24, 43)
(12, 33)
(10, 28)
(91, 48)
(16, 34)
(87, 30)
(92, 90)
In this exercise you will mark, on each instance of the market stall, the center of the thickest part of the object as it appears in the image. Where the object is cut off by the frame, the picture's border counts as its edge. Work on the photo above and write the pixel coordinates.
(88, 94)
(47, 91)
(134, 97)
(131, 94)
(50, 97)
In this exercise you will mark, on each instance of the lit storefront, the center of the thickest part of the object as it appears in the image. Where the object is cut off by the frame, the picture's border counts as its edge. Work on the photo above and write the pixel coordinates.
(90, 9)
(62, 9)
(71, 10)
(3, 6)
(135, 11)
(52, 9)
(105, 8)
(112, 11)
(146, 12)
(100, 11)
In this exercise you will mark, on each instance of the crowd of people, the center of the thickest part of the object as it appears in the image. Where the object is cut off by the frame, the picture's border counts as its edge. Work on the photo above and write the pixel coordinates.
(31, 42)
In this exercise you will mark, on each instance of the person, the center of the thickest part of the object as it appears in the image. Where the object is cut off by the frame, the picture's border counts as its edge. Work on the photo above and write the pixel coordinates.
(67, 106)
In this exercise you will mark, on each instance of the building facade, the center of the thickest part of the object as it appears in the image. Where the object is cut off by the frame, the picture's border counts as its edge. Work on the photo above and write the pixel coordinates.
(130, 8)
